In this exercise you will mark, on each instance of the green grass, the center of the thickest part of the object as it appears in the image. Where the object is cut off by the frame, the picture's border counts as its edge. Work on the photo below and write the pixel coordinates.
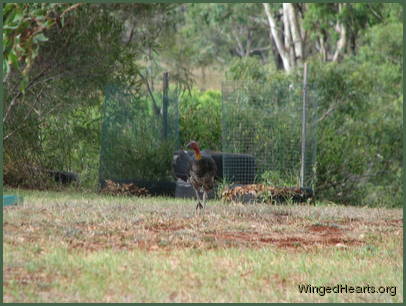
(71, 247)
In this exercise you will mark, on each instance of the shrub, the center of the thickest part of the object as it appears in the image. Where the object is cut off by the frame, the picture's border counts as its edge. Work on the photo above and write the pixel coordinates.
(200, 118)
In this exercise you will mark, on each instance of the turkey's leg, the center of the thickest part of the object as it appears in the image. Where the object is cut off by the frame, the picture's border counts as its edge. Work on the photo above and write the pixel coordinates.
(199, 205)
(204, 199)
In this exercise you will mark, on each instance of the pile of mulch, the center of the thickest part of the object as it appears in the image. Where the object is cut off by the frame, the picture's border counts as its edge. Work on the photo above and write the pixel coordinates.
(113, 188)
(265, 194)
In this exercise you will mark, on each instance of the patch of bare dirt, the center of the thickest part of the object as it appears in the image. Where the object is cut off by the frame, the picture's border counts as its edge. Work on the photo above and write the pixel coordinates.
(24, 277)
(320, 228)
(295, 240)
(164, 227)
(281, 231)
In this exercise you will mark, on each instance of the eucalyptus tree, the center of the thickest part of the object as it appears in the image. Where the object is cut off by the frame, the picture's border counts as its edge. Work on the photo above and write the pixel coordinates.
(330, 30)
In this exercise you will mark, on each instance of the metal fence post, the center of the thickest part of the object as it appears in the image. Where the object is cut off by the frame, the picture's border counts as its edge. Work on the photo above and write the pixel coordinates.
(165, 88)
(304, 132)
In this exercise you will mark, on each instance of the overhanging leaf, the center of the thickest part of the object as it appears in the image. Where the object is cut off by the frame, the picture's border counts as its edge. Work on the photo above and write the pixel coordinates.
(40, 38)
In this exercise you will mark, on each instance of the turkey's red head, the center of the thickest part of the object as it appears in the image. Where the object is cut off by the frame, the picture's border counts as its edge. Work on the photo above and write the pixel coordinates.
(195, 147)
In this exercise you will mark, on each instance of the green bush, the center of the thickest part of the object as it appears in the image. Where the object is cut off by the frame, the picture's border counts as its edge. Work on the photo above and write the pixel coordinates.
(360, 128)
(133, 146)
(200, 118)
(247, 68)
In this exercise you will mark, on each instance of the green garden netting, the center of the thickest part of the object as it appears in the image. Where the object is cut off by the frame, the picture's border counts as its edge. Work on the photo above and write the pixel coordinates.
(137, 139)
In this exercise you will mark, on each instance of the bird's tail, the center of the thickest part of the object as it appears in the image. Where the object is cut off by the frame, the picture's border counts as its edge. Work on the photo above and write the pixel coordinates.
(181, 164)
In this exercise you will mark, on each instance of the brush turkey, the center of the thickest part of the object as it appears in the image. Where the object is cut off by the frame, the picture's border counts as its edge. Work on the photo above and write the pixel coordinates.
(197, 168)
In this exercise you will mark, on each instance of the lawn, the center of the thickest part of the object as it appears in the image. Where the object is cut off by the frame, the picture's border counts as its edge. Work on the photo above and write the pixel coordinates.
(72, 247)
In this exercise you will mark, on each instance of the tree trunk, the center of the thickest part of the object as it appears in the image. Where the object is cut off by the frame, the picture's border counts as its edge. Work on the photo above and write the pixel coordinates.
(295, 31)
(289, 37)
(277, 57)
(342, 41)
(353, 43)
(276, 35)
(323, 46)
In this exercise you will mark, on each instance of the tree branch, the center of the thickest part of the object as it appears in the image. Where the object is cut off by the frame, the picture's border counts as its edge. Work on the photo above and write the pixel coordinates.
(20, 93)
(259, 49)
(240, 49)
(73, 7)
(22, 126)
(157, 110)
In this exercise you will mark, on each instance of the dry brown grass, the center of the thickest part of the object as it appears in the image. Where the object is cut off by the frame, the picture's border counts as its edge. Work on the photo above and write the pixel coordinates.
(59, 232)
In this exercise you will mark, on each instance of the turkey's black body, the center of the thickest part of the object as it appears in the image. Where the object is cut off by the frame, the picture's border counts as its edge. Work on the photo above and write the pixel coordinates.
(202, 173)
(199, 172)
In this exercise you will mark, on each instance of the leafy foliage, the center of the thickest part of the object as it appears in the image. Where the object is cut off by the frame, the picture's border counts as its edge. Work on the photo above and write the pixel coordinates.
(200, 118)
(229, 30)
(359, 156)
(59, 58)
(133, 145)
(247, 68)
(40, 121)
(23, 32)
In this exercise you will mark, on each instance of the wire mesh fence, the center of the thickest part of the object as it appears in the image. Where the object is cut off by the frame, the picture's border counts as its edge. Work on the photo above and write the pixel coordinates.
(262, 122)
(138, 136)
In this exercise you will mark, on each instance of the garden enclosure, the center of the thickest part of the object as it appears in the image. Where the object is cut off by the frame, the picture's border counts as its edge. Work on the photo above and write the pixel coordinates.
(274, 122)
(268, 135)
(139, 136)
